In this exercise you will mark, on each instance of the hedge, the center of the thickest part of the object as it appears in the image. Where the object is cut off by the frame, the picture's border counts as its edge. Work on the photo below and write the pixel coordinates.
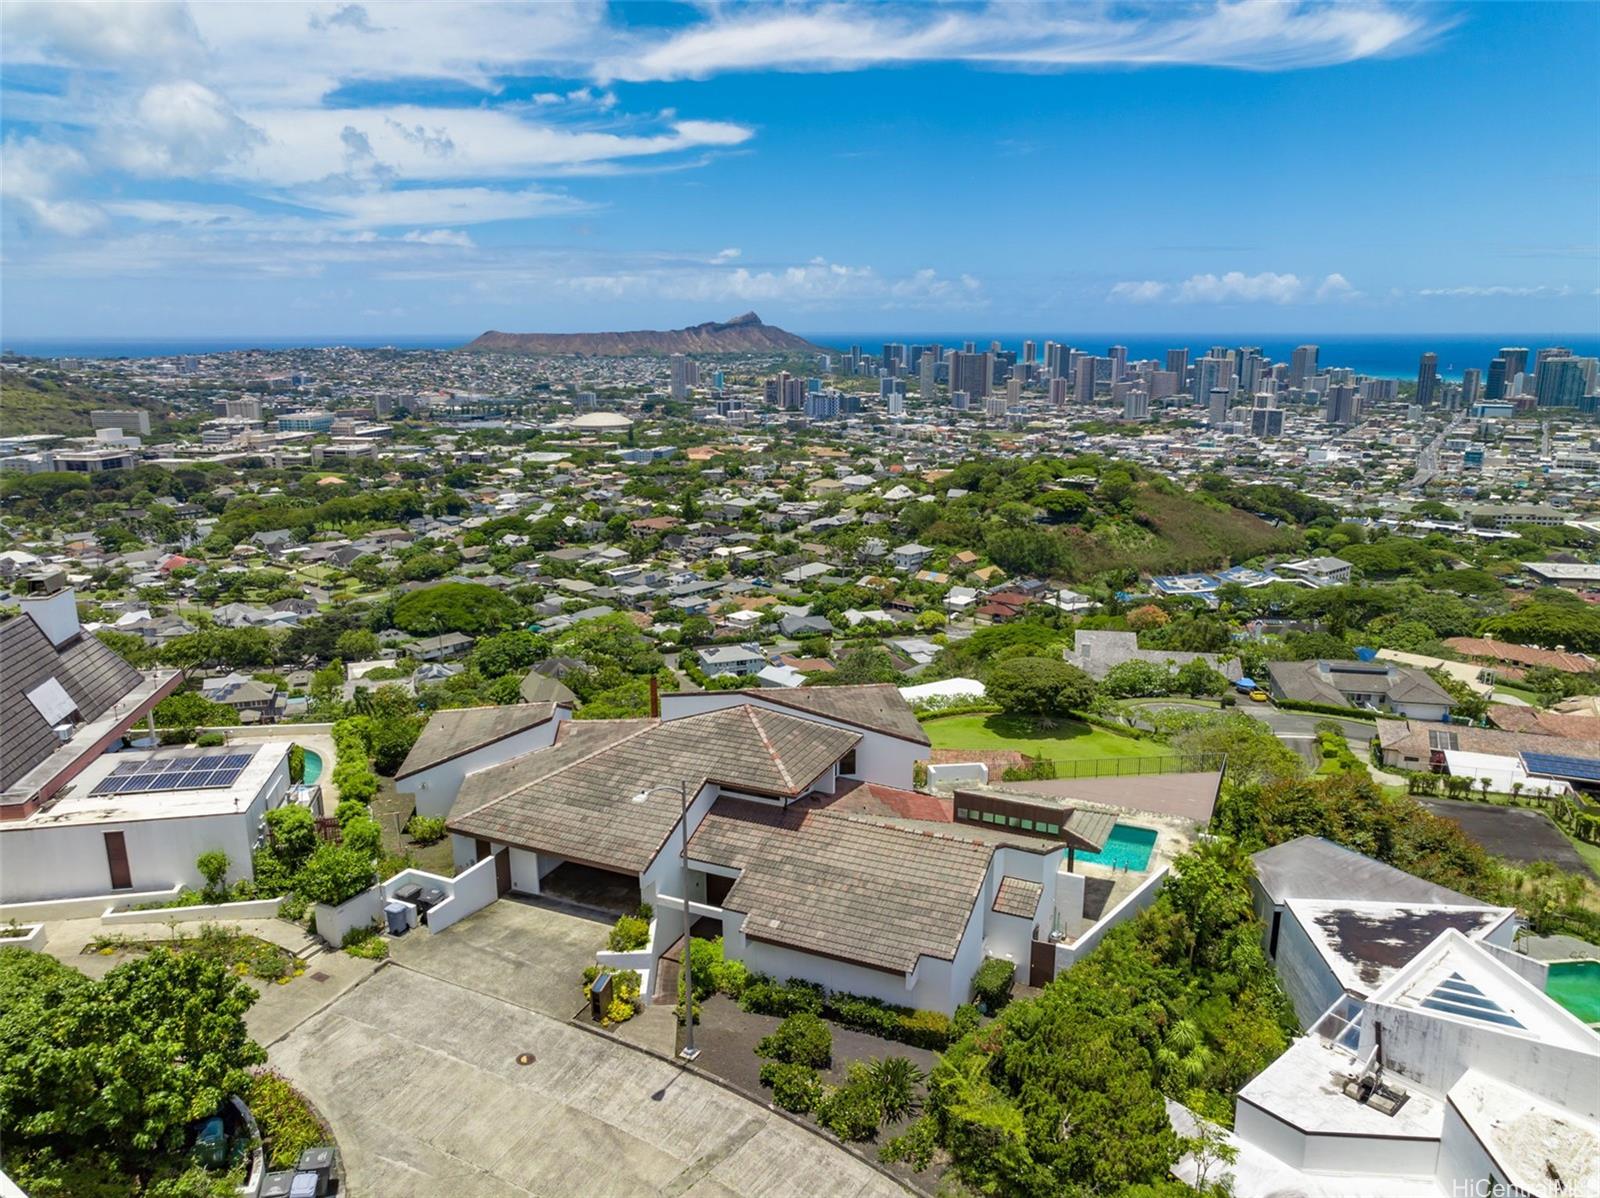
(932, 1030)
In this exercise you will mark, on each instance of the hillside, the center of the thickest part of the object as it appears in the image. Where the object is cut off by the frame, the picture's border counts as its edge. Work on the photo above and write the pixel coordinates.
(1174, 533)
(31, 403)
(742, 335)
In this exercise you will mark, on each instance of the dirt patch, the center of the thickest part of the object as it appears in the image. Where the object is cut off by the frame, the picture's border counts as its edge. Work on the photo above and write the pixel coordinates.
(391, 809)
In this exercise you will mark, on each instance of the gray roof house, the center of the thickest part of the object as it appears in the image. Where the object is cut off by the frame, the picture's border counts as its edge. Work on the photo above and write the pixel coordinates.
(1374, 685)
(1096, 653)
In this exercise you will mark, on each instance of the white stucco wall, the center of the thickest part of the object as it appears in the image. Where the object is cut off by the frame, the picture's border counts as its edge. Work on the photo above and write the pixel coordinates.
(1364, 1155)
(49, 861)
(436, 788)
(469, 891)
(880, 758)
(359, 912)
(664, 873)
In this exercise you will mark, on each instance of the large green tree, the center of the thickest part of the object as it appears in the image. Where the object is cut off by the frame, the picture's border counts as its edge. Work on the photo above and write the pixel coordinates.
(1042, 687)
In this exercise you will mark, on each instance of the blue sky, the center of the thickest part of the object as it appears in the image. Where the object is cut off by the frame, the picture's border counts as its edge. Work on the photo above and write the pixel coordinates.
(286, 169)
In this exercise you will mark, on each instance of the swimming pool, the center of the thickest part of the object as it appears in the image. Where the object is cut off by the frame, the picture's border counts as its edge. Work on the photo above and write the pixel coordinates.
(1576, 986)
(1128, 847)
(313, 766)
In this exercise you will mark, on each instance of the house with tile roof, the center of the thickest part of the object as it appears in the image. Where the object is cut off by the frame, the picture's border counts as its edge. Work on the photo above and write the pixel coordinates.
(802, 839)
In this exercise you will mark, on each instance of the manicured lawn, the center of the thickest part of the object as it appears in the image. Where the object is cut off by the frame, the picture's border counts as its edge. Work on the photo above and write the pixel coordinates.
(1067, 740)
(1519, 692)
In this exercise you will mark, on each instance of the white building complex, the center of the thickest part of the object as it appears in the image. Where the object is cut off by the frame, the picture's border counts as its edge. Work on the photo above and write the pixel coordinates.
(1433, 1062)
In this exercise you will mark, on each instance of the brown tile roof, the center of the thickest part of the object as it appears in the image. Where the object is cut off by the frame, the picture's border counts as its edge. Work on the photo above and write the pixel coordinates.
(1523, 655)
(92, 675)
(1544, 723)
(1412, 739)
(844, 887)
(876, 706)
(460, 730)
(1018, 896)
(575, 799)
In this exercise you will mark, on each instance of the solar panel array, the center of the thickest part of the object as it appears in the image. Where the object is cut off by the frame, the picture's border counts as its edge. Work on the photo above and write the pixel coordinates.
(189, 771)
(1554, 765)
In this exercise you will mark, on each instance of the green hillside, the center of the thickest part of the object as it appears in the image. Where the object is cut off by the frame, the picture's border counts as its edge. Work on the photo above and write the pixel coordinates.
(39, 404)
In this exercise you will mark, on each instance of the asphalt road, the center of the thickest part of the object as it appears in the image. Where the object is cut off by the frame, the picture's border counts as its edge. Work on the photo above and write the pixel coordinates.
(1287, 725)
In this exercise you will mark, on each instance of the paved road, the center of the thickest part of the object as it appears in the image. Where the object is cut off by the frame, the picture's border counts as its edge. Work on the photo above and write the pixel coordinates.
(1288, 725)
(419, 1078)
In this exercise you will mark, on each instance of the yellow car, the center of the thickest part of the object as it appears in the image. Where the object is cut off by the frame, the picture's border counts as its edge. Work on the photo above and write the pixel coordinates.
(1258, 696)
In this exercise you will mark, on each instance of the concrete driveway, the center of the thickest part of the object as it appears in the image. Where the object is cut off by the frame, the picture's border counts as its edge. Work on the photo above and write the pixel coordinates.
(418, 1077)
(531, 952)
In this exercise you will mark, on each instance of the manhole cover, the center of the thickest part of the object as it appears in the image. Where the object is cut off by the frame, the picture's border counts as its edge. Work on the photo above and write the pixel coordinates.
(319, 976)
(526, 1058)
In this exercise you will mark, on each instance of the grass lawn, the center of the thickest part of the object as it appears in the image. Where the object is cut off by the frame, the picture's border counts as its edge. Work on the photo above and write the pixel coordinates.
(1067, 740)
(1519, 692)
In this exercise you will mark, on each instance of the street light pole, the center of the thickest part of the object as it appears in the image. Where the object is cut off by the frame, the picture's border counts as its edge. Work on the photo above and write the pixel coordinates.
(690, 1052)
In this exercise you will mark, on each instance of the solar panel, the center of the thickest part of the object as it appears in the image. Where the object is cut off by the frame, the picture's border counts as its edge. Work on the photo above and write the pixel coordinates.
(184, 771)
(1554, 765)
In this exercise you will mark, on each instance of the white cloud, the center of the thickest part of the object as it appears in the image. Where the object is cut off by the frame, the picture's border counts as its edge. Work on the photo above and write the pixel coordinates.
(1252, 35)
(179, 128)
(1146, 292)
(727, 255)
(453, 237)
(1235, 287)
(1499, 291)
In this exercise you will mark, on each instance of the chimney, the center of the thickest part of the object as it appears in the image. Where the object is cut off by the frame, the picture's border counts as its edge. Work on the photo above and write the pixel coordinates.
(655, 698)
(53, 606)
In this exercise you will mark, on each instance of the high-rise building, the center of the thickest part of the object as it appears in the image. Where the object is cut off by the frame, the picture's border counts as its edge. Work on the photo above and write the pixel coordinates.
(1341, 407)
(1471, 387)
(960, 400)
(1302, 365)
(1219, 405)
(1543, 356)
(685, 374)
(1178, 364)
(1266, 422)
(1164, 384)
(1428, 380)
(1560, 382)
(897, 403)
(1210, 374)
(1027, 352)
(133, 421)
(1251, 367)
(1136, 404)
(894, 357)
(822, 405)
(1083, 384)
(1516, 357)
(1495, 388)
(972, 373)
(1119, 361)
(1055, 359)
(995, 407)
(927, 373)
(1013, 394)
(1058, 392)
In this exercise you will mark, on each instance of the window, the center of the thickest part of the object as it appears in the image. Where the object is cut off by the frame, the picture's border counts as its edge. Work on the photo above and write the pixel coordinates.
(961, 813)
(1013, 821)
(1052, 829)
(848, 764)
(1027, 825)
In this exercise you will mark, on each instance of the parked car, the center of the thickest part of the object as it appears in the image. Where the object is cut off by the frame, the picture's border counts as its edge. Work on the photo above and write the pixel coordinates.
(1258, 696)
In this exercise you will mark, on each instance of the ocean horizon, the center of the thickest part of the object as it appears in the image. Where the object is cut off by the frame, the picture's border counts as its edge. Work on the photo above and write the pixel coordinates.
(1375, 354)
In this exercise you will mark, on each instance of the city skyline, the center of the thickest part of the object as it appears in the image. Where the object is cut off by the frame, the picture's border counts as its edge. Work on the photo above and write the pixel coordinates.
(281, 170)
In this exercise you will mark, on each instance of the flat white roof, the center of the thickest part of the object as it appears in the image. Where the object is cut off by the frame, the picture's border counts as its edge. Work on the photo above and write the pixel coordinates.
(1366, 944)
(1527, 1136)
(76, 804)
(1305, 1088)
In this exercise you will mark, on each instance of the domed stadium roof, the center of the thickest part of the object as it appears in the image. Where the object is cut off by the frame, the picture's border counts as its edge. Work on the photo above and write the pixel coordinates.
(601, 421)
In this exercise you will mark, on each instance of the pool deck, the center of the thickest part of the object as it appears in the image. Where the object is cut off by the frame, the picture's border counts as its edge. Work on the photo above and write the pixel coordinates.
(315, 738)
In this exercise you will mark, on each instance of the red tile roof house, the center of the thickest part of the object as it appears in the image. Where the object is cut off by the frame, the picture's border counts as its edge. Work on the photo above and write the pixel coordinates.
(804, 839)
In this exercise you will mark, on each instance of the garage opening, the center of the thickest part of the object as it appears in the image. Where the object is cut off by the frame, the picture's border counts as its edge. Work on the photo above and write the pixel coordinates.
(590, 886)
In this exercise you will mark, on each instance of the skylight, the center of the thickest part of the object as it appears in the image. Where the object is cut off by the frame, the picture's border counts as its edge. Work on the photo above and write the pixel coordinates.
(1457, 996)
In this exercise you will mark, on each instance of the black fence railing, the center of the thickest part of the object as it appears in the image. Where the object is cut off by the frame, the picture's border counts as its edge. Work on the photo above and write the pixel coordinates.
(1128, 767)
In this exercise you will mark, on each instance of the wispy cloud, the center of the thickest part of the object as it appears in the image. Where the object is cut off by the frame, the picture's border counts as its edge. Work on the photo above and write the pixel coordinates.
(1499, 291)
(1254, 35)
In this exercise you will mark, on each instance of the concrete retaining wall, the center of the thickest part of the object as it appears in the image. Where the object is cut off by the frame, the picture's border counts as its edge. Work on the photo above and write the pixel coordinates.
(87, 907)
(469, 891)
(1139, 900)
(250, 909)
(32, 937)
(359, 912)
(945, 773)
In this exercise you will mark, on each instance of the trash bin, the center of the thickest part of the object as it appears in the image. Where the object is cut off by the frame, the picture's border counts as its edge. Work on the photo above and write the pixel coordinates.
(307, 1185)
(277, 1185)
(397, 916)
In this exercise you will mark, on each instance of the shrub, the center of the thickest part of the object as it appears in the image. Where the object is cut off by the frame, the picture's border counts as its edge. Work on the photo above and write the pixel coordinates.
(763, 995)
(915, 1147)
(630, 934)
(795, 1088)
(297, 764)
(896, 1080)
(991, 985)
(210, 740)
(625, 986)
(365, 943)
(363, 835)
(426, 829)
(293, 831)
(801, 1039)
(213, 867)
(334, 874)
(924, 1029)
(287, 1124)
(852, 1111)
(269, 963)
(967, 1019)
(349, 809)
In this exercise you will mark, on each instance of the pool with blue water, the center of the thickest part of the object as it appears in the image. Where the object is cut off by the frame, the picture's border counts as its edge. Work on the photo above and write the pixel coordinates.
(1128, 847)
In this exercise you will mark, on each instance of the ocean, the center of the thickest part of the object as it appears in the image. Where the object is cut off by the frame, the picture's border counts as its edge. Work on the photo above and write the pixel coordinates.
(1376, 354)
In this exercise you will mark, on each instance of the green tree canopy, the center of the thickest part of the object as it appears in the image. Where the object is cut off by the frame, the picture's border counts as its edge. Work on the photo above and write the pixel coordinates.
(1040, 686)
(465, 607)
